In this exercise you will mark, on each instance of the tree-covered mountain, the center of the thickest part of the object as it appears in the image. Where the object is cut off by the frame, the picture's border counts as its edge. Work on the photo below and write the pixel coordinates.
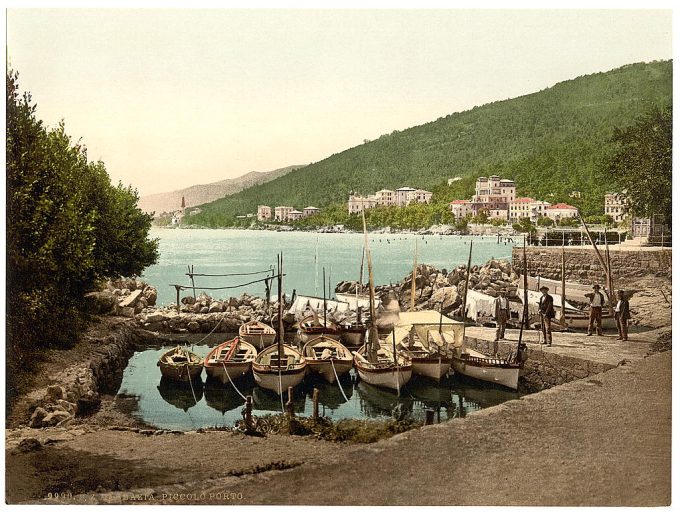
(551, 142)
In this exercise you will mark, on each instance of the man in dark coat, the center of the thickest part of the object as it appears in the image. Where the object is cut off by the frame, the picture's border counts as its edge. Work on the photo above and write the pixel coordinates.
(622, 315)
(547, 310)
(596, 303)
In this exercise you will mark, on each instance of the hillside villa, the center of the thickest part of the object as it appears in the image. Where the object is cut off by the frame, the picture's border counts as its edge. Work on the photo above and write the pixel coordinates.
(284, 213)
(386, 197)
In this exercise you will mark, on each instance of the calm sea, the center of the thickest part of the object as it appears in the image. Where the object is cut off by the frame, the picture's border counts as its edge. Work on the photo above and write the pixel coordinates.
(213, 251)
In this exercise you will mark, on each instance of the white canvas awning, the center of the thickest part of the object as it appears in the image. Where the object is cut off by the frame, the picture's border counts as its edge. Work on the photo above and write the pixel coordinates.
(426, 322)
(303, 303)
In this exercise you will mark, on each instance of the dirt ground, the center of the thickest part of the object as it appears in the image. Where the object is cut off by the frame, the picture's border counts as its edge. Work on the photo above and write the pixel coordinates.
(111, 451)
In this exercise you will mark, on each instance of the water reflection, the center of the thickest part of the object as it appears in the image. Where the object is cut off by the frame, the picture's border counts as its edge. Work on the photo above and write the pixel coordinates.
(180, 394)
(171, 405)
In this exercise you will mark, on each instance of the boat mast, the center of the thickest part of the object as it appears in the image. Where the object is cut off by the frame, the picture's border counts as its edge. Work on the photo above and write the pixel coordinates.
(602, 263)
(467, 284)
(280, 281)
(525, 314)
(324, 297)
(413, 278)
(525, 306)
(373, 343)
(563, 322)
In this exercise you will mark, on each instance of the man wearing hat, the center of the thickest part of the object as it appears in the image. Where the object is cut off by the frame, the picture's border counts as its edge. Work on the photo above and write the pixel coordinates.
(622, 315)
(547, 310)
(596, 303)
(502, 313)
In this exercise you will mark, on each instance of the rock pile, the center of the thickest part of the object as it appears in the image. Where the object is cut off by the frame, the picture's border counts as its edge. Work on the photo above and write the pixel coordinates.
(203, 313)
(122, 297)
(440, 288)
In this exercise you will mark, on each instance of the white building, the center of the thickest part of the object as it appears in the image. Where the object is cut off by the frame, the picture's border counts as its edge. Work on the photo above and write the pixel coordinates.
(403, 195)
(493, 193)
(282, 213)
(560, 211)
(385, 197)
(616, 206)
(421, 196)
(461, 208)
(295, 215)
(527, 208)
(264, 212)
(358, 203)
(310, 211)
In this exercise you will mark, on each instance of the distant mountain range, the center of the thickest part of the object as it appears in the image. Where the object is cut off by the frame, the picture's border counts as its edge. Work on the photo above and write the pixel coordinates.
(551, 142)
(204, 193)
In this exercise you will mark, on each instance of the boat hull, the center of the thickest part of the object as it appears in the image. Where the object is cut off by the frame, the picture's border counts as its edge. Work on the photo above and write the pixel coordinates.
(353, 338)
(307, 335)
(325, 369)
(390, 378)
(490, 370)
(181, 373)
(434, 368)
(582, 322)
(236, 370)
(269, 379)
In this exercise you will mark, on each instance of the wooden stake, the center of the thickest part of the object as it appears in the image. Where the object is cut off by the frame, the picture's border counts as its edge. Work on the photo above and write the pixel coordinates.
(248, 416)
(315, 404)
(290, 407)
(177, 288)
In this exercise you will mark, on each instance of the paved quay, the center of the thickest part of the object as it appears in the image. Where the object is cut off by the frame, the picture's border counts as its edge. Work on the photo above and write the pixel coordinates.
(601, 441)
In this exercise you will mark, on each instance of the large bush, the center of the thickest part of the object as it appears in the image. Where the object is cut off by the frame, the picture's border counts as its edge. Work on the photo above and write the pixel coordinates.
(67, 228)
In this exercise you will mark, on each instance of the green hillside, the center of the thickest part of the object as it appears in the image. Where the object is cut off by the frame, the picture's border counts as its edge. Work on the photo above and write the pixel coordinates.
(551, 142)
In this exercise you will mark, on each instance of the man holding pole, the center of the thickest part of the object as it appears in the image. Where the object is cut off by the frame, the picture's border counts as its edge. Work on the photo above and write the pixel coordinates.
(547, 310)
(596, 303)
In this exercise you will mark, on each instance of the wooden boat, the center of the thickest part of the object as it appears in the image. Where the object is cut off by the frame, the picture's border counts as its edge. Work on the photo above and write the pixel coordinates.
(257, 333)
(290, 365)
(312, 327)
(385, 370)
(353, 335)
(429, 338)
(180, 364)
(323, 354)
(489, 369)
(234, 357)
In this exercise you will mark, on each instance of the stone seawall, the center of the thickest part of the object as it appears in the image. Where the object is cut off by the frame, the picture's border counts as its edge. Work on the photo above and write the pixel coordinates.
(582, 263)
(543, 370)
(76, 390)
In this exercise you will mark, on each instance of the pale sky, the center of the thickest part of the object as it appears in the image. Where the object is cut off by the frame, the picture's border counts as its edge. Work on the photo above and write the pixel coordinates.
(172, 98)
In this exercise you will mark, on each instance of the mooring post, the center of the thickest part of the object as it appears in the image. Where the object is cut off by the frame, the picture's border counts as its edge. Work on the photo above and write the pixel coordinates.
(248, 417)
(177, 288)
(290, 408)
(429, 416)
(315, 404)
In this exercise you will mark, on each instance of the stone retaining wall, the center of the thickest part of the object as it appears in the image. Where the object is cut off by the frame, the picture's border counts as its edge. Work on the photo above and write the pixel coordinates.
(583, 264)
(542, 370)
(76, 390)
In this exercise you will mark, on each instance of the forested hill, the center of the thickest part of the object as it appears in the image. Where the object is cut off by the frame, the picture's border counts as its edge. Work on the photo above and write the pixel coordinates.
(551, 142)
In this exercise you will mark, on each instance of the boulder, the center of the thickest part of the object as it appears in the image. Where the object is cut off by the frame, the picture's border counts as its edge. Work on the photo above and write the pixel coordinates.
(100, 302)
(216, 307)
(151, 295)
(37, 417)
(193, 326)
(29, 444)
(446, 297)
(197, 307)
(188, 300)
(54, 418)
(155, 317)
(54, 392)
(204, 310)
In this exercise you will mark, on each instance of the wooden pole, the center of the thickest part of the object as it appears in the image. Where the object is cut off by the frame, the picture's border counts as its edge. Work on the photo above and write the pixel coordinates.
(191, 274)
(315, 404)
(280, 309)
(563, 321)
(413, 279)
(610, 280)
(394, 346)
(467, 284)
(525, 312)
(248, 416)
(599, 257)
(373, 337)
(325, 324)
(177, 288)
(290, 407)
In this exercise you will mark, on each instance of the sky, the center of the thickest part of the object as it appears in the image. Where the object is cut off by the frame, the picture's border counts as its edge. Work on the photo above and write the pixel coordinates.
(171, 98)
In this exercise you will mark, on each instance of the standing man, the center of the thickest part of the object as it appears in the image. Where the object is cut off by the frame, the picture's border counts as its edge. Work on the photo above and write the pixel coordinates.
(622, 315)
(502, 313)
(547, 310)
(596, 303)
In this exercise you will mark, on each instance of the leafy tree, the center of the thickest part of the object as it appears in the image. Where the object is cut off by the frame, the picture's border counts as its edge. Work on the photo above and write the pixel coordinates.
(497, 222)
(524, 225)
(569, 222)
(481, 218)
(642, 163)
(544, 221)
(67, 228)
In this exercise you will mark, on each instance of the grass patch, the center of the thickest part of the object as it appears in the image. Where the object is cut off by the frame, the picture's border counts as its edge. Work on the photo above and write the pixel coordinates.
(350, 430)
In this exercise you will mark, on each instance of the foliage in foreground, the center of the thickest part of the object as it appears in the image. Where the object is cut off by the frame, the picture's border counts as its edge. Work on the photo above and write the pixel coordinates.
(351, 430)
(68, 227)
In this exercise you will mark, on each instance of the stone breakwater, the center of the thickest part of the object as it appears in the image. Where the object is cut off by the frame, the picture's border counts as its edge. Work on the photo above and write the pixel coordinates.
(444, 289)
(76, 389)
(582, 264)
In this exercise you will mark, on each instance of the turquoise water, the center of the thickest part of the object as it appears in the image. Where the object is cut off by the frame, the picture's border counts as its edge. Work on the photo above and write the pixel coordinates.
(205, 404)
(244, 251)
